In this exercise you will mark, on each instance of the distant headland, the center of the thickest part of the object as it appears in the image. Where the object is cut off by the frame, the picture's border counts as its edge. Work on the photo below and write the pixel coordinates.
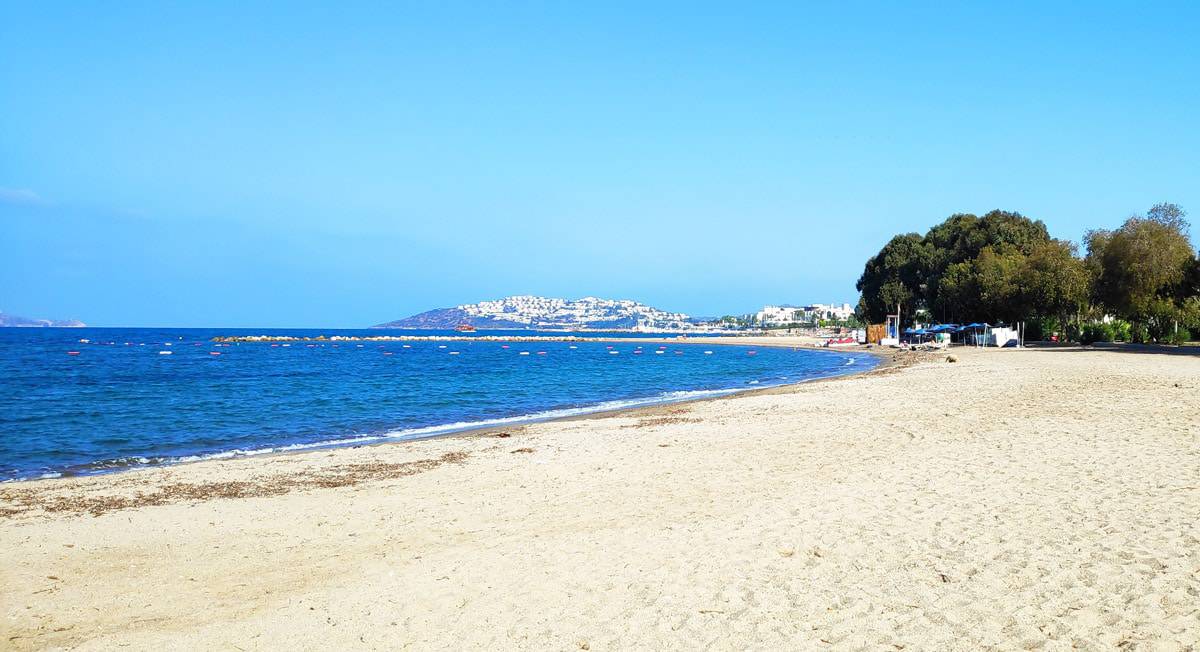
(14, 321)
(531, 312)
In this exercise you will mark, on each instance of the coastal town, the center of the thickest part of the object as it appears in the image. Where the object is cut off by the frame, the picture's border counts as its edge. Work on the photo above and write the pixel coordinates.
(527, 312)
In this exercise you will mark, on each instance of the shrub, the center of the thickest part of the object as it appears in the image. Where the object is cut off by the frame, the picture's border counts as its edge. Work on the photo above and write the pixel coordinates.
(1096, 331)
(1139, 333)
(1042, 328)
(1183, 336)
(1121, 330)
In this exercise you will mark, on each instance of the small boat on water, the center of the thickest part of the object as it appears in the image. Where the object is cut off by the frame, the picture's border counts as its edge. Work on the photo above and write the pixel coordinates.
(465, 328)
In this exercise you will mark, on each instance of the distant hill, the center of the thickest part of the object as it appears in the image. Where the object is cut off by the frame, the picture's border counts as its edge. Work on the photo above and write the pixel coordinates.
(7, 320)
(529, 312)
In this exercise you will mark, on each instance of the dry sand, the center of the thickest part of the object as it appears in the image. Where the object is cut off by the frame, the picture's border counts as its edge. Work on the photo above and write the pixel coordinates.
(1015, 499)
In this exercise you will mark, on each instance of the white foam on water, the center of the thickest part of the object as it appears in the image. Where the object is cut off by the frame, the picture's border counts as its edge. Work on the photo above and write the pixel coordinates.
(398, 435)
(417, 433)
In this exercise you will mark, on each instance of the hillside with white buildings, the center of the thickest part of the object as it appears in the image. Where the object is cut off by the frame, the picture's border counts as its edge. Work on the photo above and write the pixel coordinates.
(533, 312)
(812, 313)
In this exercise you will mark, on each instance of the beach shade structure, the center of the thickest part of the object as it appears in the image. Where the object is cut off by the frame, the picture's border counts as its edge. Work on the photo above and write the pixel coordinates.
(943, 329)
(977, 327)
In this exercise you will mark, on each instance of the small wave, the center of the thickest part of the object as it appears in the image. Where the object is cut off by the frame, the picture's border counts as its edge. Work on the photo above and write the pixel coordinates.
(125, 463)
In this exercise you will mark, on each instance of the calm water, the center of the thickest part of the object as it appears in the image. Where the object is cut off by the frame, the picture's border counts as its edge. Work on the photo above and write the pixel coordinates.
(121, 403)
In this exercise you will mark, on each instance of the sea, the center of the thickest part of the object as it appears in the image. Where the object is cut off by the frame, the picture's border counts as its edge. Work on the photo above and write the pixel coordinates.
(79, 401)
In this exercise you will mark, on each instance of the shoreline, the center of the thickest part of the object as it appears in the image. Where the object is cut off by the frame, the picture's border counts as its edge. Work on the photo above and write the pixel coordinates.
(882, 509)
(482, 428)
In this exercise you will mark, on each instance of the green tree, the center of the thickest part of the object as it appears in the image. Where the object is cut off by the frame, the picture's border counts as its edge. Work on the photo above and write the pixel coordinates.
(1054, 282)
(893, 276)
(950, 291)
(1144, 268)
(998, 273)
(964, 268)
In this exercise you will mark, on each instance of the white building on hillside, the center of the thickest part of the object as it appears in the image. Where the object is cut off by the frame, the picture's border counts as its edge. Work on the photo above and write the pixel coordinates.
(779, 315)
(807, 314)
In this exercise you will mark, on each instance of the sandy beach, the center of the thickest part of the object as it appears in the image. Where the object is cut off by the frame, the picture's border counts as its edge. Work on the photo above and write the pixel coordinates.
(1045, 498)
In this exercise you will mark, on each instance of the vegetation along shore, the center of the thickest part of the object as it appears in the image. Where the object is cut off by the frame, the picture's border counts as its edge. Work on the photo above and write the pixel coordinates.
(1139, 282)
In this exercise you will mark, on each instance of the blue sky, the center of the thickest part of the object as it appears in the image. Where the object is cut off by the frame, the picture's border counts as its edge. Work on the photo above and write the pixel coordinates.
(213, 164)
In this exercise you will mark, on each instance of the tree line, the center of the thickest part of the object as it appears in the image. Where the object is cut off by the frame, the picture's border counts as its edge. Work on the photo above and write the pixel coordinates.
(1139, 282)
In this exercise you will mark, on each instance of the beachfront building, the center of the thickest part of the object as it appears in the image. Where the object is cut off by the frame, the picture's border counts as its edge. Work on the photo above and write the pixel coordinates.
(779, 315)
(812, 313)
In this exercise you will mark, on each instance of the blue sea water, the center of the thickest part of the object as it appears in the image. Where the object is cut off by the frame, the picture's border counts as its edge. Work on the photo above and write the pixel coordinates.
(120, 402)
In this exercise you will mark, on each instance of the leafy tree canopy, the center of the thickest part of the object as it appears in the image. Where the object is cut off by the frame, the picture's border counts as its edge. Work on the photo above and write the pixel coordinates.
(1006, 267)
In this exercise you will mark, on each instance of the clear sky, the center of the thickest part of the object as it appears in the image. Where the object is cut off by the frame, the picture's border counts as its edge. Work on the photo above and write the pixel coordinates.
(209, 164)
